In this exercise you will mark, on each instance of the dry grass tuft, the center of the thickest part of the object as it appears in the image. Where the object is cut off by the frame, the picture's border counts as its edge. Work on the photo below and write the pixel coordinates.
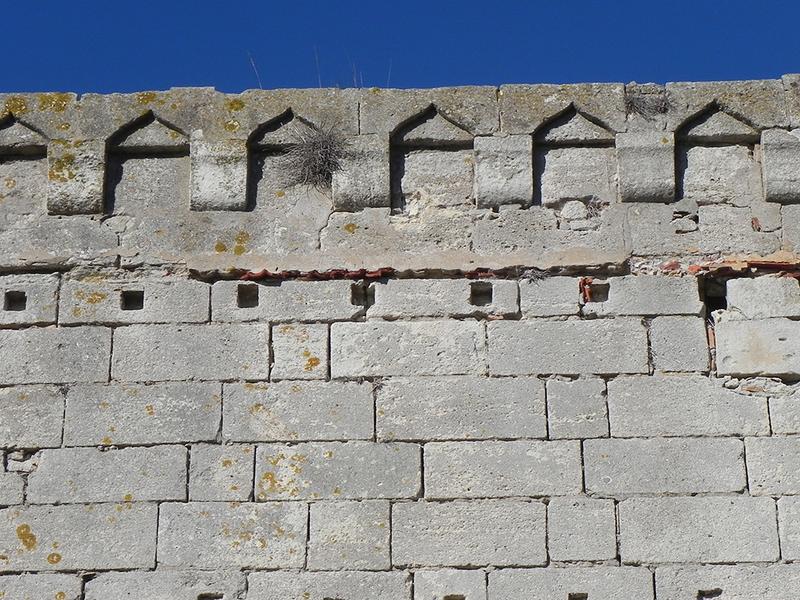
(314, 157)
(647, 105)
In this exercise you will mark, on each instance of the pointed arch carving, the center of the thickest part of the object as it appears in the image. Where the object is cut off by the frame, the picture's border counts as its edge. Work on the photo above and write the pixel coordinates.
(18, 138)
(149, 134)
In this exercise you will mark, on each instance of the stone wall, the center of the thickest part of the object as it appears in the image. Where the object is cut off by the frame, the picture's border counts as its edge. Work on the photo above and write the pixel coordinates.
(532, 343)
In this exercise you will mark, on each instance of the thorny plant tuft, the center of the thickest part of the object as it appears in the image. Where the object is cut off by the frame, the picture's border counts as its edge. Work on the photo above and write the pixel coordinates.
(314, 157)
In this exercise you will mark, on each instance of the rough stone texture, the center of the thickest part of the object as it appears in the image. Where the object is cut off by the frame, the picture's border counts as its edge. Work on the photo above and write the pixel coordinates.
(533, 342)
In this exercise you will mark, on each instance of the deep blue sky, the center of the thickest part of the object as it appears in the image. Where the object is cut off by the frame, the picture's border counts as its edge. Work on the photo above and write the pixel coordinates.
(119, 45)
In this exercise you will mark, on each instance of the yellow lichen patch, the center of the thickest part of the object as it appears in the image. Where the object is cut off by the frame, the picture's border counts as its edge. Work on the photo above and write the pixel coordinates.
(256, 408)
(312, 362)
(106, 441)
(234, 104)
(150, 410)
(128, 497)
(54, 558)
(54, 102)
(286, 328)
(241, 240)
(103, 404)
(328, 454)
(62, 168)
(227, 463)
(23, 396)
(350, 227)
(145, 98)
(26, 537)
(16, 105)
(250, 387)
(63, 126)
(90, 297)
(220, 247)
(280, 193)
(296, 388)
(10, 183)
(61, 596)
(231, 125)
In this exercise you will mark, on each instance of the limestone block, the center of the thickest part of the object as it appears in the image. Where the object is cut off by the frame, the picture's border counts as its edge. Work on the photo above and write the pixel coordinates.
(28, 299)
(737, 582)
(580, 528)
(567, 347)
(679, 405)
(503, 170)
(698, 529)
(337, 470)
(647, 295)
(214, 535)
(31, 417)
(549, 297)
(446, 408)
(772, 466)
(353, 585)
(75, 176)
(719, 174)
(159, 413)
(50, 355)
(646, 162)
(161, 584)
(363, 180)
(524, 108)
(768, 347)
(32, 587)
(349, 535)
(287, 301)
(300, 351)
(679, 344)
(449, 583)
(493, 469)
(468, 533)
(789, 519)
(73, 538)
(12, 487)
(780, 163)
(425, 179)
(175, 352)
(404, 298)
(573, 173)
(762, 298)
(218, 175)
(221, 472)
(577, 408)
(22, 185)
(80, 475)
(602, 583)
(664, 466)
(785, 415)
(297, 411)
(407, 348)
(116, 301)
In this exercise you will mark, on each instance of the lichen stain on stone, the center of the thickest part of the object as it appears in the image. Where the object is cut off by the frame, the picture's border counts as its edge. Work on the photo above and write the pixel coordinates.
(55, 102)
(231, 125)
(61, 596)
(234, 104)
(145, 98)
(150, 410)
(312, 362)
(63, 126)
(241, 240)
(220, 247)
(350, 227)
(61, 169)
(16, 105)
(227, 463)
(106, 441)
(280, 194)
(90, 297)
(26, 537)
(10, 183)
(256, 408)
(252, 387)
(54, 558)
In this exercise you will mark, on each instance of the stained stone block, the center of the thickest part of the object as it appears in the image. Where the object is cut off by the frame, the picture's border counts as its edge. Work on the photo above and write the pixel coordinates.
(781, 165)
(218, 175)
(503, 170)
(646, 166)
(75, 177)
(363, 179)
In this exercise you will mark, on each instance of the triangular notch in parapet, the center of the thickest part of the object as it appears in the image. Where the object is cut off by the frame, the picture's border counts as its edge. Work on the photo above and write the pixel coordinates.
(714, 125)
(149, 134)
(431, 128)
(285, 129)
(17, 137)
(573, 128)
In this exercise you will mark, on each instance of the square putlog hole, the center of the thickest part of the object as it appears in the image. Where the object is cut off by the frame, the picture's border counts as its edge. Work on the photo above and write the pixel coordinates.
(481, 293)
(132, 300)
(15, 301)
(578, 596)
(247, 295)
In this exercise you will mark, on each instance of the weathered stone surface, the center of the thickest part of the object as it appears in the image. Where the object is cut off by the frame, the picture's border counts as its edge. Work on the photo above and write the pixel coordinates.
(759, 347)
(679, 405)
(12, 489)
(549, 297)
(646, 166)
(443, 408)
(300, 351)
(102, 298)
(567, 347)
(31, 417)
(297, 411)
(603, 583)
(587, 174)
(169, 352)
(740, 582)
(404, 298)
(577, 408)
(663, 466)
(772, 467)
(219, 175)
(789, 526)
(33, 587)
(219, 473)
(503, 170)
(502, 469)
(75, 176)
(363, 180)
(720, 529)
(163, 584)
(68, 538)
(159, 413)
(762, 298)
(50, 355)
(352, 585)
(449, 583)
(780, 151)
(468, 533)
(785, 415)
(400, 348)
(213, 535)
(580, 528)
(717, 174)
(679, 344)
(349, 535)
(28, 299)
(647, 295)
(82, 475)
(329, 471)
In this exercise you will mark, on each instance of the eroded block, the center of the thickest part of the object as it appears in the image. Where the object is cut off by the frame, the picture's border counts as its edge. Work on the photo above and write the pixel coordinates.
(503, 170)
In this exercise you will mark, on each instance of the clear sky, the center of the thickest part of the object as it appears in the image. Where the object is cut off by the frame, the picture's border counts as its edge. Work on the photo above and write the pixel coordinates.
(122, 45)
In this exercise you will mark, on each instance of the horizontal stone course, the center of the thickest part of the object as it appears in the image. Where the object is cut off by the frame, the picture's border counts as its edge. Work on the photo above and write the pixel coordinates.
(155, 585)
(353, 585)
(604, 583)
(738, 582)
